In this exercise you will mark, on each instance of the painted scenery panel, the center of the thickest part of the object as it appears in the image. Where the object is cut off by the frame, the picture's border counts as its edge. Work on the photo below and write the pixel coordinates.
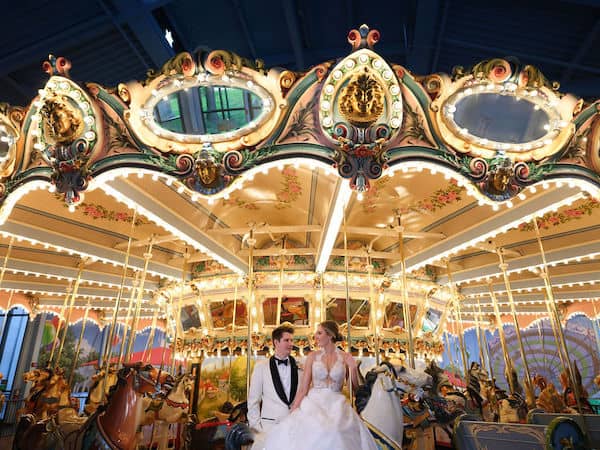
(431, 321)
(394, 315)
(222, 313)
(190, 317)
(293, 310)
(359, 311)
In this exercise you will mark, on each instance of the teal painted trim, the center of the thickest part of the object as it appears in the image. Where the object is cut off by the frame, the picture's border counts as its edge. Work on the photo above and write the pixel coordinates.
(424, 102)
(415, 151)
(292, 98)
(292, 150)
(127, 158)
(117, 107)
(25, 128)
(586, 114)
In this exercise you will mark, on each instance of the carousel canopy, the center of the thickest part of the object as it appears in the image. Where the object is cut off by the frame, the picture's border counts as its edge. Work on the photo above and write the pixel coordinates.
(219, 190)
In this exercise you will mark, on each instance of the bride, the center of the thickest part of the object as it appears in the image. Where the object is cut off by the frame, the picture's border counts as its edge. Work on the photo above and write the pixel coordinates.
(321, 417)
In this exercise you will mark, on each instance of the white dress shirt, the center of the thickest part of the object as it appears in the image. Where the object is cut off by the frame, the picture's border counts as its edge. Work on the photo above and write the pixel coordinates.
(285, 375)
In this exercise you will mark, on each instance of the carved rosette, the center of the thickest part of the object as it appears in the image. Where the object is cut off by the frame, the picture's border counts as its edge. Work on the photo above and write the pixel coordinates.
(63, 130)
(11, 119)
(360, 109)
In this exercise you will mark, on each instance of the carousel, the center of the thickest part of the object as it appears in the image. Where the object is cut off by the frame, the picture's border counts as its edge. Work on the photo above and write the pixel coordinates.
(156, 232)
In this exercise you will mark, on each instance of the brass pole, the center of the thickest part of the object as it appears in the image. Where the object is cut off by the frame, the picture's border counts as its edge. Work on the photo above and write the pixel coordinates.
(282, 263)
(484, 341)
(127, 326)
(234, 314)
(70, 311)
(507, 360)
(503, 266)
(78, 348)
(150, 342)
(594, 323)
(478, 332)
(406, 305)
(178, 312)
(348, 312)
(461, 340)
(552, 303)
(140, 297)
(107, 351)
(374, 304)
(60, 322)
(251, 306)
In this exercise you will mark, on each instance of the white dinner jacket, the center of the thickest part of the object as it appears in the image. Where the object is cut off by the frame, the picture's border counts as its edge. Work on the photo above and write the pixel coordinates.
(262, 390)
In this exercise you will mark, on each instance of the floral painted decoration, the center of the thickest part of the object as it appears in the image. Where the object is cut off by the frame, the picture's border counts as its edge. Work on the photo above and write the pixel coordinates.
(559, 217)
(292, 189)
(236, 201)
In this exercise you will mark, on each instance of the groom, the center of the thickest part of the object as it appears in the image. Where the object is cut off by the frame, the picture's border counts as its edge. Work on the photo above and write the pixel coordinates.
(274, 383)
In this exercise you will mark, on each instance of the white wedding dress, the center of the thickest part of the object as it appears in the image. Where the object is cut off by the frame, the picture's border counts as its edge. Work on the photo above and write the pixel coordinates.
(325, 420)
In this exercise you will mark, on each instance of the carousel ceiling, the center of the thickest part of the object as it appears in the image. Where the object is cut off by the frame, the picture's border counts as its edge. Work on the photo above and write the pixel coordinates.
(477, 180)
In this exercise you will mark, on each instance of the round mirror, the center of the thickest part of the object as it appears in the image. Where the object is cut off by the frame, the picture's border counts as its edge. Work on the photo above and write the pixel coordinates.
(208, 110)
(501, 118)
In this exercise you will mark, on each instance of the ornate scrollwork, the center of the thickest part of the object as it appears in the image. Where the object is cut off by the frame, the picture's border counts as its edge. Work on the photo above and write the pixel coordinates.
(183, 63)
(219, 61)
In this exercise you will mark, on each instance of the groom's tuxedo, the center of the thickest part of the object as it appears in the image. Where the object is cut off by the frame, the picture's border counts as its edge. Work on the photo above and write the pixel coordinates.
(270, 396)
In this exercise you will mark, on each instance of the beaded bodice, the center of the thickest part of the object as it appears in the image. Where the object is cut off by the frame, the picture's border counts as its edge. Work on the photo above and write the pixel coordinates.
(333, 379)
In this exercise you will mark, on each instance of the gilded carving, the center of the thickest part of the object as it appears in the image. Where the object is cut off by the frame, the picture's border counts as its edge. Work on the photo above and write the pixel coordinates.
(63, 123)
(362, 100)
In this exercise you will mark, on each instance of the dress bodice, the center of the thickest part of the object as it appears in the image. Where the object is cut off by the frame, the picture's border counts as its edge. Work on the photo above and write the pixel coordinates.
(328, 379)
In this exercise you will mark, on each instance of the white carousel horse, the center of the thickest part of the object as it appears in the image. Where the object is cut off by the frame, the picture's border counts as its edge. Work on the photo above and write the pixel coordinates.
(383, 408)
(174, 407)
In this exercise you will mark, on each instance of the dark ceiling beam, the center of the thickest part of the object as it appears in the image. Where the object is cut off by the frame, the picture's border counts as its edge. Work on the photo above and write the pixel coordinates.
(589, 87)
(146, 30)
(350, 24)
(582, 51)
(420, 56)
(291, 19)
(24, 92)
(440, 36)
(527, 57)
(56, 42)
(244, 26)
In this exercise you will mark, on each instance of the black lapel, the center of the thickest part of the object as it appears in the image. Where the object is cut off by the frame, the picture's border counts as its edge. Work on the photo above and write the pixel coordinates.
(294, 385)
(277, 381)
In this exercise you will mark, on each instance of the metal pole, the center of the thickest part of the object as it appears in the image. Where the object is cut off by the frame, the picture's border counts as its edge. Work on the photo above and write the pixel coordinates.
(552, 303)
(374, 304)
(76, 357)
(251, 244)
(348, 312)
(406, 305)
(135, 284)
(140, 297)
(507, 360)
(72, 303)
(461, 340)
(478, 332)
(503, 266)
(282, 263)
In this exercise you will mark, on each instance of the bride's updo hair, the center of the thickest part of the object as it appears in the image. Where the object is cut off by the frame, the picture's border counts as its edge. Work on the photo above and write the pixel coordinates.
(332, 329)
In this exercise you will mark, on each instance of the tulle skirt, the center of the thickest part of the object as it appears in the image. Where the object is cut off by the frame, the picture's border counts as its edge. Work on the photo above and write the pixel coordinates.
(324, 421)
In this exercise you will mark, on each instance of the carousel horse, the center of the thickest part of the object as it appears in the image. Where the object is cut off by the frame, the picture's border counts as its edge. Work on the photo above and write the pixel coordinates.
(95, 396)
(115, 425)
(493, 394)
(173, 406)
(214, 432)
(569, 392)
(549, 400)
(513, 409)
(33, 403)
(475, 402)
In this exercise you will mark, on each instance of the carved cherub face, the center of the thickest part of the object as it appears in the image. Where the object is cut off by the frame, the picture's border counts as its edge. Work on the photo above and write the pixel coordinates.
(362, 100)
(62, 121)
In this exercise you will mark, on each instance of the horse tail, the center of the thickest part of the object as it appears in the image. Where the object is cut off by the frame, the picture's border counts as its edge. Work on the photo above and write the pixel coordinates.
(239, 434)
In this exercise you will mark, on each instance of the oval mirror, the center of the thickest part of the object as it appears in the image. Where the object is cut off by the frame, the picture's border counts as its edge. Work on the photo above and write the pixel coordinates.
(208, 110)
(501, 118)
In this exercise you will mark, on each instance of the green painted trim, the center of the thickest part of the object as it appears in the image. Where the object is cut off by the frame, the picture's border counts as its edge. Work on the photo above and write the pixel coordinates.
(586, 114)
(424, 102)
(292, 98)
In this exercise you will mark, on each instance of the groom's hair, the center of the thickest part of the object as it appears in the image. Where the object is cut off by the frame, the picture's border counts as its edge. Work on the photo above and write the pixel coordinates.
(278, 332)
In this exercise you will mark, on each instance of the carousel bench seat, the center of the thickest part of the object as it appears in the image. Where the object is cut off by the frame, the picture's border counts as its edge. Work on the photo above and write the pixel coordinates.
(473, 434)
(589, 423)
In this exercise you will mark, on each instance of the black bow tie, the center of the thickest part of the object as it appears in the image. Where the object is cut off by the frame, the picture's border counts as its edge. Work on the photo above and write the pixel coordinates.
(281, 361)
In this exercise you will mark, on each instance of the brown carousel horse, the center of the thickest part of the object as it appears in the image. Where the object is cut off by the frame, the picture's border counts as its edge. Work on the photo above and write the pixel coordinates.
(549, 399)
(95, 396)
(569, 393)
(39, 378)
(113, 426)
(513, 409)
